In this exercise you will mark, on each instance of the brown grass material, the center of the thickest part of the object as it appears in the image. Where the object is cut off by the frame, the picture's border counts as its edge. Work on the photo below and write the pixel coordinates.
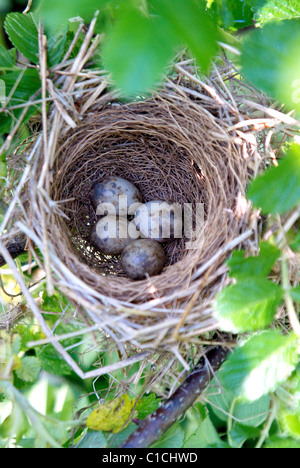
(168, 149)
(196, 140)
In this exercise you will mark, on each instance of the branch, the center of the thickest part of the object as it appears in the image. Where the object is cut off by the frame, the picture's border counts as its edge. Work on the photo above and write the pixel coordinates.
(155, 425)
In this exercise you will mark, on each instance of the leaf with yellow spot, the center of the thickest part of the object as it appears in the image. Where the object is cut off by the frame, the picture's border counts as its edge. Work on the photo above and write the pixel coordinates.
(17, 362)
(112, 416)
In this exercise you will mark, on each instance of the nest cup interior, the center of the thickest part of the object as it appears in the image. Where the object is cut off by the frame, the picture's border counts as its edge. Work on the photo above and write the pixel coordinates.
(170, 150)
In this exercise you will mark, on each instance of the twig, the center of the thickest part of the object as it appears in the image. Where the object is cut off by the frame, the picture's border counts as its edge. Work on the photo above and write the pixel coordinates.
(155, 425)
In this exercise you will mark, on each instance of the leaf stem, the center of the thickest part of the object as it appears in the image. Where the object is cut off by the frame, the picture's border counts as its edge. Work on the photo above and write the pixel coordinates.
(266, 429)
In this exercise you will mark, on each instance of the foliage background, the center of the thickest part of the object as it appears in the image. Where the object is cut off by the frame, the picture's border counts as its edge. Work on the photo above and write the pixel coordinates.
(42, 402)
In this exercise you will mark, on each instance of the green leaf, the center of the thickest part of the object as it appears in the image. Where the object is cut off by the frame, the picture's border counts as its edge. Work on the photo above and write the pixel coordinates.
(15, 425)
(290, 422)
(225, 405)
(281, 442)
(240, 433)
(248, 305)
(7, 57)
(275, 10)
(23, 33)
(173, 438)
(261, 265)
(56, 12)
(192, 419)
(278, 189)
(295, 242)
(136, 52)
(231, 14)
(55, 303)
(30, 369)
(295, 293)
(56, 48)
(147, 405)
(189, 22)
(259, 365)
(205, 436)
(92, 440)
(52, 362)
(115, 440)
(270, 60)
(28, 85)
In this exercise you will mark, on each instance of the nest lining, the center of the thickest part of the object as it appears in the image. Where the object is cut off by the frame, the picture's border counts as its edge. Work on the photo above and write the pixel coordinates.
(169, 150)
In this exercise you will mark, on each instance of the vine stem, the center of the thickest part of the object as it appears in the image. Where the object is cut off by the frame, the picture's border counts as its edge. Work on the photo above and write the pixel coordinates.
(155, 425)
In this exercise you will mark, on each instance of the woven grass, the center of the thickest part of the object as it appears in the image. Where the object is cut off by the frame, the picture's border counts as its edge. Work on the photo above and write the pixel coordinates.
(196, 140)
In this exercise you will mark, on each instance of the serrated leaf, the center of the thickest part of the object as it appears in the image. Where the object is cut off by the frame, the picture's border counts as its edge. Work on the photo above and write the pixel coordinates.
(30, 369)
(270, 60)
(136, 52)
(295, 293)
(261, 265)
(189, 22)
(278, 189)
(112, 416)
(248, 305)
(275, 10)
(147, 405)
(259, 365)
(23, 33)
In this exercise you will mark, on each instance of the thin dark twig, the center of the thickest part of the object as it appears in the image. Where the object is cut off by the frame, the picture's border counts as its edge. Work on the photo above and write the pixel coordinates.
(155, 425)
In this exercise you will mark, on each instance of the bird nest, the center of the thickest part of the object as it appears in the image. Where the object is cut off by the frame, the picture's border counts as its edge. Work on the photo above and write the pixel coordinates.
(169, 147)
(196, 141)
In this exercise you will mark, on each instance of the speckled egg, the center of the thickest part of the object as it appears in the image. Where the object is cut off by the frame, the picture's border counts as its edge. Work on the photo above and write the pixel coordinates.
(159, 220)
(114, 193)
(110, 235)
(141, 257)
